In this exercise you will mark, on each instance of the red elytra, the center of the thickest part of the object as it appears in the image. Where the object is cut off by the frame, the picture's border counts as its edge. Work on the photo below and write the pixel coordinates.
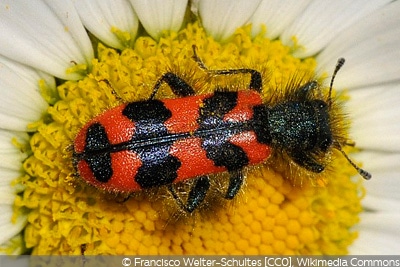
(188, 149)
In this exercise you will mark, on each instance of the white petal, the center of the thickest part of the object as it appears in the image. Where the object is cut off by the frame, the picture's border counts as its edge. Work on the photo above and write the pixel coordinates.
(8, 175)
(371, 49)
(10, 155)
(159, 15)
(221, 18)
(6, 196)
(380, 204)
(375, 114)
(11, 158)
(382, 191)
(276, 15)
(10, 164)
(47, 35)
(100, 17)
(22, 102)
(7, 228)
(322, 20)
(20, 261)
(382, 164)
(378, 235)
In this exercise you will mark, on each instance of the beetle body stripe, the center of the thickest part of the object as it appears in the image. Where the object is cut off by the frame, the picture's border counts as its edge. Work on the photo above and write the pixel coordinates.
(168, 141)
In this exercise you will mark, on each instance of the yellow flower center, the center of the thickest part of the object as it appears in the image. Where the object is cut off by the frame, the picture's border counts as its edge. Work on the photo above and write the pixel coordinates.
(273, 214)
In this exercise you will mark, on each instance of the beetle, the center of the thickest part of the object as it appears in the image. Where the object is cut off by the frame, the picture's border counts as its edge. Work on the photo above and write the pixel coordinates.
(154, 143)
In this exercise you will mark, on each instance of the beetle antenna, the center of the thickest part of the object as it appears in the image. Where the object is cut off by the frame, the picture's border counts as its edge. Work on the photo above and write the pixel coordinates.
(339, 65)
(364, 174)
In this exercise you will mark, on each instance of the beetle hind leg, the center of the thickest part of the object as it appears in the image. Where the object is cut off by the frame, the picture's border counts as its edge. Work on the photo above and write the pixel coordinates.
(255, 76)
(196, 196)
(178, 86)
(236, 179)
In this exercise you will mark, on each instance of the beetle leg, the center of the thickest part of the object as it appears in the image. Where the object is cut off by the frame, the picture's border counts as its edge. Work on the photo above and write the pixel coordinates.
(306, 161)
(196, 195)
(255, 76)
(178, 86)
(235, 183)
(306, 88)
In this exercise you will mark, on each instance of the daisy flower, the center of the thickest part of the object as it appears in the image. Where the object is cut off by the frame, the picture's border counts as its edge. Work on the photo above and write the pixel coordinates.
(64, 62)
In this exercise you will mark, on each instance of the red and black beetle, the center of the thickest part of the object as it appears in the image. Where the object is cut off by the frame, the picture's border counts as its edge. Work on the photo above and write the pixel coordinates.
(155, 143)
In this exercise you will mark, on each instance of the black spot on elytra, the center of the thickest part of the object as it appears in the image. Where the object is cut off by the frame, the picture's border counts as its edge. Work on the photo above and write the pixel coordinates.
(96, 154)
(216, 143)
(224, 153)
(215, 108)
(149, 117)
(158, 166)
